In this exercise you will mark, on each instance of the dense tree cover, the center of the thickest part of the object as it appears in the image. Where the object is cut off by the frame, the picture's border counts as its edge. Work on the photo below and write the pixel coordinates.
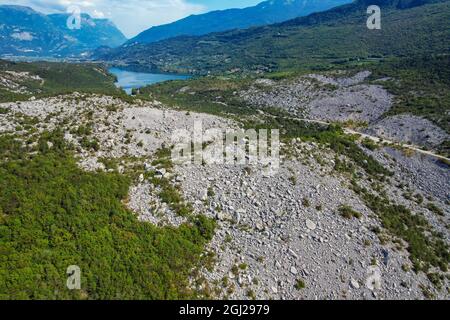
(52, 215)
(59, 78)
(323, 39)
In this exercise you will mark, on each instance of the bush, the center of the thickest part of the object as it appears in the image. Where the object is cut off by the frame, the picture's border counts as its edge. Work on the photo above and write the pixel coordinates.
(348, 213)
(434, 208)
(300, 284)
(369, 144)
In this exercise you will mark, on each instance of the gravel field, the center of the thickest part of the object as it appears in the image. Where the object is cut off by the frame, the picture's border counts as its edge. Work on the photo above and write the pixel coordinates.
(279, 236)
(409, 129)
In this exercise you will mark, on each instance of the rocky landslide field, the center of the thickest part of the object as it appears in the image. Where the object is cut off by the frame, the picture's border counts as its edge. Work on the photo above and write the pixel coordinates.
(306, 232)
(349, 100)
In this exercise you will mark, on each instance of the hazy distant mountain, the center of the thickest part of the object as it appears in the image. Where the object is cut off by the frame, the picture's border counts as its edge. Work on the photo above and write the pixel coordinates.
(267, 12)
(24, 31)
(93, 33)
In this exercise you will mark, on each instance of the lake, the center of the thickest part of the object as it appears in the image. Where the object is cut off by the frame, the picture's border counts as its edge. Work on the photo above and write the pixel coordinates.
(129, 80)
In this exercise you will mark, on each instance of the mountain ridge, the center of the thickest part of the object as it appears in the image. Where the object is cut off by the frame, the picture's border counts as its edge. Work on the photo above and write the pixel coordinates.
(333, 36)
(267, 12)
(24, 31)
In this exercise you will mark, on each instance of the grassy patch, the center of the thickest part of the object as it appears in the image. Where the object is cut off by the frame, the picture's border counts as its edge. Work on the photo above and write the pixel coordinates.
(348, 213)
(300, 284)
(435, 209)
(426, 247)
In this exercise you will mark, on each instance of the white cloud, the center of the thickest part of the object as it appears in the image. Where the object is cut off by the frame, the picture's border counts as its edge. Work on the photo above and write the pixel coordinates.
(131, 16)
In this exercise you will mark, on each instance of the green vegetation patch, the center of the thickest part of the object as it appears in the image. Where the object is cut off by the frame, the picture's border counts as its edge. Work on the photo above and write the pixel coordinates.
(426, 247)
(300, 284)
(214, 95)
(348, 213)
(52, 215)
(59, 78)
(434, 208)
(421, 86)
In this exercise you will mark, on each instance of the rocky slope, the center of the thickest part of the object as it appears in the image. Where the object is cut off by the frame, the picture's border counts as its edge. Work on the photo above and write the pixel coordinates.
(283, 236)
(349, 100)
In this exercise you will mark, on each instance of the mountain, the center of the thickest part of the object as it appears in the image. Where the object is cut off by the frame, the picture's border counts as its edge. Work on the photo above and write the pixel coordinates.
(339, 35)
(93, 33)
(24, 31)
(267, 12)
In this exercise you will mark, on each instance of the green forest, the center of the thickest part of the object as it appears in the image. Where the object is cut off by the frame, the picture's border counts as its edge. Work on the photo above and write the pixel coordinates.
(53, 214)
(59, 78)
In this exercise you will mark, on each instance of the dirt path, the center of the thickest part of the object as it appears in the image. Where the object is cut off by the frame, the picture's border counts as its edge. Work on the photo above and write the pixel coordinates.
(408, 146)
(377, 139)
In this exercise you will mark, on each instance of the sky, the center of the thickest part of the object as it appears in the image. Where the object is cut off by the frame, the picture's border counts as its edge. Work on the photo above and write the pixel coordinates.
(134, 16)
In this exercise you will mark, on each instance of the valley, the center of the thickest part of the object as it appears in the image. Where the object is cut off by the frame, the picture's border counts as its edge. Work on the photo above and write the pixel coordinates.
(358, 208)
(296, 217)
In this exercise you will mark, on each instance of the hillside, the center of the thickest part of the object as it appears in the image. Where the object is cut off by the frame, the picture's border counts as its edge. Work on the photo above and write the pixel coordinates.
(266, 12)
(93, 33)
(332, 37)
(25, 32)
(344, 200)
(88, 179)
(22, 81)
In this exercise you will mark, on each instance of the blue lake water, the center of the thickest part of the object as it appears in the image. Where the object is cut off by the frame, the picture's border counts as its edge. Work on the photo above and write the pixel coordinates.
(128, 80)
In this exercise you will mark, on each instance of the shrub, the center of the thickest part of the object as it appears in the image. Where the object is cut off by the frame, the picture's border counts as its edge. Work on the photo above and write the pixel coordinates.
(434, 208)
(299, 284)
(306, 203)
(348, 213)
